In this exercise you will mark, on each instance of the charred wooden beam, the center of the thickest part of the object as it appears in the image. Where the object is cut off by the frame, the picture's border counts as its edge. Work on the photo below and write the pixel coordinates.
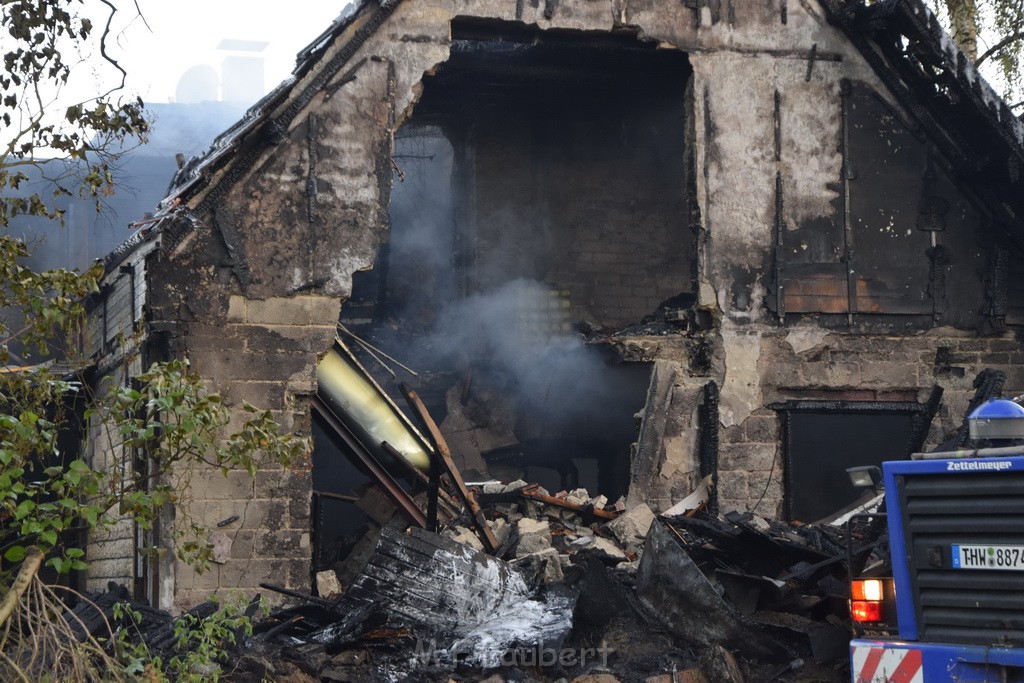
(444, 459)
(532, 493)
(297, 594)
(709, 421)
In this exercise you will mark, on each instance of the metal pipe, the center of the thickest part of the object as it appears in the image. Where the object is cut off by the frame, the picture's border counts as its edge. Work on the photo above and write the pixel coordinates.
(356, 399)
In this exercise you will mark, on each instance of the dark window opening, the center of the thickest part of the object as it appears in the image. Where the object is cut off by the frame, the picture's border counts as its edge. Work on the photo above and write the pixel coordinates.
(821, 439)
(337, 523)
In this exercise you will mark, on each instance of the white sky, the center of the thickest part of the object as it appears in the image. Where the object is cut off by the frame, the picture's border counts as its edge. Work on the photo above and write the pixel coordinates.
(185, 33)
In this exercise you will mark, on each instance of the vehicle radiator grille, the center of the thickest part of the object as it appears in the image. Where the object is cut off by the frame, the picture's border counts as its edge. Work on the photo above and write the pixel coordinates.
(975, 606)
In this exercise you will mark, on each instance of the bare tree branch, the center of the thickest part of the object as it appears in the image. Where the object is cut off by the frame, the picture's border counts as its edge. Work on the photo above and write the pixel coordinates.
(1012, 38)
(103, 43)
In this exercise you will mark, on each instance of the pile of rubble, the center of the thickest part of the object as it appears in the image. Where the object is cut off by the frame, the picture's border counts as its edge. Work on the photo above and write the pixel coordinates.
(538, 530)
(575, 589)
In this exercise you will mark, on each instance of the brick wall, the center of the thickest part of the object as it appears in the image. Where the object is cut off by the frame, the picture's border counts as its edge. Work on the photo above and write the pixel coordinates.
(111, 549)
(265, 352)
(854, 367)
(594, 210)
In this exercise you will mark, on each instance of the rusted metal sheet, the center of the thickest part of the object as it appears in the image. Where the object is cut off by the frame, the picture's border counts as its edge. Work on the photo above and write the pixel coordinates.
(816, 288)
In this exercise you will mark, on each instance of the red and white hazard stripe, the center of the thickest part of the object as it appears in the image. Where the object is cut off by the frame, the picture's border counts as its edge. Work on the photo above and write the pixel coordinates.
(887, 665)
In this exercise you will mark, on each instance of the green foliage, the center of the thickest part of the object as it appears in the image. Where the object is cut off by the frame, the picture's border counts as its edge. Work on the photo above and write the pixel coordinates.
(990, 31)
(170, 422)
(201, 643)
(1006, 22)
(48, 304)
(45, 40)
(147, 438)
(199, 653)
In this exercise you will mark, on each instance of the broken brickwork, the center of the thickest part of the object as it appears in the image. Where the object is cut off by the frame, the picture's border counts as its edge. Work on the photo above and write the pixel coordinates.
(781, 260)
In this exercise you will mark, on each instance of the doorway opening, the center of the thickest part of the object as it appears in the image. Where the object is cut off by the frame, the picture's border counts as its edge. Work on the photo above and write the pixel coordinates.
(821, 439)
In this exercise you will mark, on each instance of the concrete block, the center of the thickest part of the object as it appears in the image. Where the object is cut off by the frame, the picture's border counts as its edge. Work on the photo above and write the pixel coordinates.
(327, 584)
(208, 484)
(832, 374)
(243, 545)
(186, 578)
(534, 536)
(732, 505)
(297, 310)
(889, 375)
(607, 548)
(578, 496)
(288, 483)
(237, 308)
(501, 530)
(632, 526)
(282, 543)
(265, 395)
(111, 550)
(115, 569)
(298, 512)
(732, 434)
(461, 534)
(376, 504)
(763, 429)
(252, 514)
(546, 563)
(250, 573)
(750, 457)
(733, 484)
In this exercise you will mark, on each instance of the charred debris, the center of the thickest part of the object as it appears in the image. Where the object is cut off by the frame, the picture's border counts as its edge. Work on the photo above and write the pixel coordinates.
(567, 595)
(461, 580)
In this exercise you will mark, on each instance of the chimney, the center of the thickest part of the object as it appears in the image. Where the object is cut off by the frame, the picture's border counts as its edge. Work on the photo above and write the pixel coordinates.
(242, 70)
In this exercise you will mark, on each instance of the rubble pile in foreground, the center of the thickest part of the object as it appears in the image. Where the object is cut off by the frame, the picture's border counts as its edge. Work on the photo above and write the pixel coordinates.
(577, 590)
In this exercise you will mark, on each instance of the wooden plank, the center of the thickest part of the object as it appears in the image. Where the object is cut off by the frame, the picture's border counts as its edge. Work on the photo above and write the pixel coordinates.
(448, 465)
(532, 493)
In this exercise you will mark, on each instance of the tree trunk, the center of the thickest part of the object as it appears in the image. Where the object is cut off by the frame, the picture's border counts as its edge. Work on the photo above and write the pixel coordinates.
(963, 19)
(33, 558)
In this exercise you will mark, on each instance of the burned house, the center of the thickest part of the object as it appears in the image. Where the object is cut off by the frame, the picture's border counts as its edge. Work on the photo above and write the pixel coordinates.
(624, 246)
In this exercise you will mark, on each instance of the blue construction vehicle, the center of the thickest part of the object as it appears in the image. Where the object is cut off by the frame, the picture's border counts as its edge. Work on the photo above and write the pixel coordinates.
(953, 607)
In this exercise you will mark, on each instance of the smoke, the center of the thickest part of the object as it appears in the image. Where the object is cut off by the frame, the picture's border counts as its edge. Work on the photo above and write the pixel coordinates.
(519, 337)
(141, 176)
(421, 274)
(512, 335)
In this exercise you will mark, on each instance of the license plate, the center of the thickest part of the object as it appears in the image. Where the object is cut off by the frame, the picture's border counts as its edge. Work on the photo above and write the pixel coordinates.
(988, 557)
